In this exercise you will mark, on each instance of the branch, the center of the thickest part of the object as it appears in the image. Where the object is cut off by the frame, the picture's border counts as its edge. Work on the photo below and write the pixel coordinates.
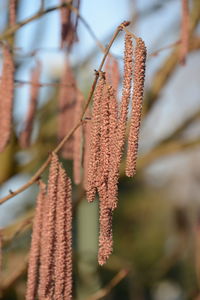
(37, 175)
(10, 31)
(107, 289)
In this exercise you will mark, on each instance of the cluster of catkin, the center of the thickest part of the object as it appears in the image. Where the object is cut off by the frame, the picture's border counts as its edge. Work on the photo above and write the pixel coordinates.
(108, 133)
(50, 260)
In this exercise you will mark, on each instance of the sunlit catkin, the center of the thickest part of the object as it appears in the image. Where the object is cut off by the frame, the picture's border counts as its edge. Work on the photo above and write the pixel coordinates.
(63, 253)
(184, 31)
(26, 133)
(35, 251)
(77, 145)
(47, 281)
(86, 147)
(94, 160)
(122, 120)
(139, 76)
(6, 97)
(112, 72)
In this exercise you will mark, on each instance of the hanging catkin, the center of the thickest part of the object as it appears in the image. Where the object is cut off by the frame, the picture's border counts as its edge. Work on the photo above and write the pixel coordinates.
(139, 75)
(26, 134)
(66, 107)
(122, 120)
(12, 12)
(47, 281)
(63, 254)
(1, 252)
(184, 31)
(77, 139)
(6, 97)
(94, 159)
(35, 251)
(86, 147)
(112, 72)
(105, 228)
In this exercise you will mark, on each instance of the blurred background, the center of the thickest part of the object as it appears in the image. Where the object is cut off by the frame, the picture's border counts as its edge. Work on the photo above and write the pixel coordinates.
(157, 224)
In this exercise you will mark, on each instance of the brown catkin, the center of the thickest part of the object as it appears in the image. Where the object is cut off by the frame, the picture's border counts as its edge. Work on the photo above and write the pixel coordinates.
(139, 76)
(26, 133)
(35, 251)
(12, 12)
(112, 71)
(77, 140)
(63, 254)
(66, 107)
(68, 278)
(94, 160)
(47, 280)
(65, 14)
(122, 120)
(6, 97)
(105, 230)
(184, 31)
(1, 246)
(86, 148)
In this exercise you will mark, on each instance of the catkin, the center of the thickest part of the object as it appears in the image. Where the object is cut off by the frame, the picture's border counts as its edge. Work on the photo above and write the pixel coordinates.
(86, 148)
(63, 253)
(94, 159)
(66, 107)
(26, 133)
(77, 140)
(12, 12)
(122, 120)
(6, 97)
(47, 281)
(1, 238)
(112, 71)
(35, 251)
(184, 31)
(105, 232)
(139, 76)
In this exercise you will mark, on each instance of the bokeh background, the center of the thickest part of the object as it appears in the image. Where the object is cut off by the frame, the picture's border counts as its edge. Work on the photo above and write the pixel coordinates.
(157, 224)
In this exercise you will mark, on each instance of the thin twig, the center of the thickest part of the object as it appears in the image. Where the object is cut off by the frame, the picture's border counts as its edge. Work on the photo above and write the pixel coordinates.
(107, 289)
(35, 177)
(43, 12)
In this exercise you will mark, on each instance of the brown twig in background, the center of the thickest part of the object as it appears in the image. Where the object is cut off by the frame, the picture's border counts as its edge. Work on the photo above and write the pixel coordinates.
(107, 289)
(59, 146)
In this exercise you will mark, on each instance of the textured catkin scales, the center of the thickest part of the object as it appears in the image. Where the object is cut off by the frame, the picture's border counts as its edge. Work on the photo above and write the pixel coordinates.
(184, 31)
(94, 159)
(105, 227)
(112, 72)
(6, 97)
(1, 253)
(26, 133)
(122, 120)
(86, 147)
(47, 281)
(63, 256)
(35, 251)
(139, 76)
(66, 107)
(78, 139)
